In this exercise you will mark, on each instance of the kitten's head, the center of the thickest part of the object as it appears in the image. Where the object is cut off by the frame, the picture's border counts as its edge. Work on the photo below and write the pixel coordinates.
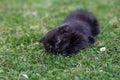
(57, 40)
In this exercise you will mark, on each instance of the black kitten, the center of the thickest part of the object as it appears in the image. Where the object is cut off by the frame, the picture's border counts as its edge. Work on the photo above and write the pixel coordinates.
(75, 32)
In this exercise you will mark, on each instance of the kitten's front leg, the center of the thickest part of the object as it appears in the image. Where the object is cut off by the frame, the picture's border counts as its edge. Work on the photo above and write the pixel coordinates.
(69, 53)
(78, 41)
(74, 49)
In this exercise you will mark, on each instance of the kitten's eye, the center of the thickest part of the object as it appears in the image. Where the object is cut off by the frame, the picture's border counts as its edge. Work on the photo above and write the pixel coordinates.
(48, 45)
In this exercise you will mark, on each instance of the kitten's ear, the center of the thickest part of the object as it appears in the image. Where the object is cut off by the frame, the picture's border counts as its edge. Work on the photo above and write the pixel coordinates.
(63, 28)
(42, 40)
(91, 39)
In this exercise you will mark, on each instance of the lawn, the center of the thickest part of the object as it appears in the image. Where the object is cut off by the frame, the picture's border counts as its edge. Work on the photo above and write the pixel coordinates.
(24, 22)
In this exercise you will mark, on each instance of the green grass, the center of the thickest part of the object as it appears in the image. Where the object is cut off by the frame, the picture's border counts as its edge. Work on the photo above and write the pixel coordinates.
(24, 22)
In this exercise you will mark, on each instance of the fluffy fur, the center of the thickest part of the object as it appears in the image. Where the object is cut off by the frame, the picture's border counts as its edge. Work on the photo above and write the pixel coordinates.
(74, 33)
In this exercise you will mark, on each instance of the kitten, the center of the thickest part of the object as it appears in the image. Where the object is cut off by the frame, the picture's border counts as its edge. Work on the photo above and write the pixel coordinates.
(74, 33)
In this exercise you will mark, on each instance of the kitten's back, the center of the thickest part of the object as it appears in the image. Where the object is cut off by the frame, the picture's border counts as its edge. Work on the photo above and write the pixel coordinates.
(83, 15)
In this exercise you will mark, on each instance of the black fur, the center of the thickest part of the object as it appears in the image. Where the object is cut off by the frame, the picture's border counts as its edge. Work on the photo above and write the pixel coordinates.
(75, 32)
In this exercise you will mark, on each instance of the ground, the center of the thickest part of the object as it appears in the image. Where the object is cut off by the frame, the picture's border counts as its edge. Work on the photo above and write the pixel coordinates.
(24, 22)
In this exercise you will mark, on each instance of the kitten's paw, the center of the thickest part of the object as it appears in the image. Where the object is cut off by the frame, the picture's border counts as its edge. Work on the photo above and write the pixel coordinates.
(69, 54)
(91, 39)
